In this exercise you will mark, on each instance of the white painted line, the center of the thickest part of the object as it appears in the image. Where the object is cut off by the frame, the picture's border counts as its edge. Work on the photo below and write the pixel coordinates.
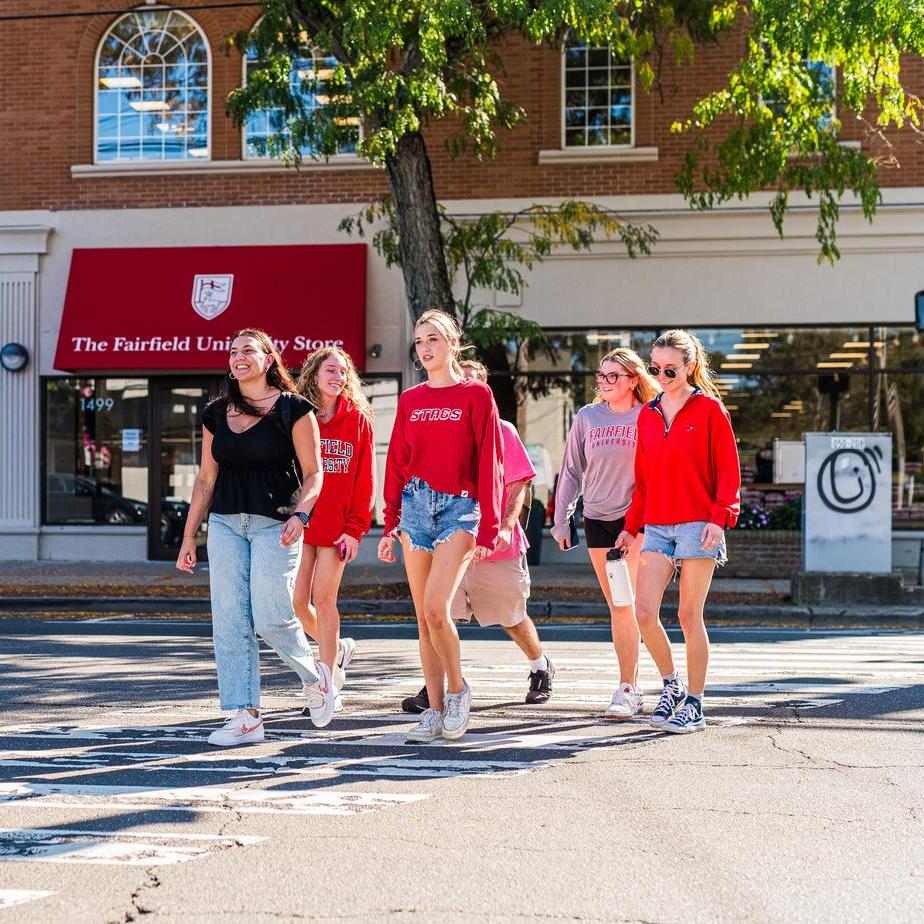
(50, 845)
(10, 897)
(201, 799)
(798, 687)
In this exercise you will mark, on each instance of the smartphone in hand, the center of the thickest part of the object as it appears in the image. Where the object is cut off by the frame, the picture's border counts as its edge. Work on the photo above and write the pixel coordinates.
(574, 539)
(342, 550)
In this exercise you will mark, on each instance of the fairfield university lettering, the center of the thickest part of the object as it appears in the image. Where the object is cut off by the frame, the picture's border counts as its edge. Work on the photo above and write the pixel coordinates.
(336, 456)
(613, 435)
(186, 344)
(435, 413)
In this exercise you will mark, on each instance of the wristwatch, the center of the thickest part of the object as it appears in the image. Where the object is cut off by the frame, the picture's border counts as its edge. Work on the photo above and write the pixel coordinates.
(304, 517)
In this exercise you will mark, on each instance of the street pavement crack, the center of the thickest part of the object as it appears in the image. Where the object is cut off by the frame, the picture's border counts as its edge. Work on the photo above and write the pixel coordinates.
(139, 908)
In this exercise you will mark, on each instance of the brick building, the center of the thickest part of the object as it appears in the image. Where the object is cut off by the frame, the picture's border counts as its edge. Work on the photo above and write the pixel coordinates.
(135, 214)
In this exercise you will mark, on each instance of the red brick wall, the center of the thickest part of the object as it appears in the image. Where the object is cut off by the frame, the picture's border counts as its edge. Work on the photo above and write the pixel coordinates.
(47, 103)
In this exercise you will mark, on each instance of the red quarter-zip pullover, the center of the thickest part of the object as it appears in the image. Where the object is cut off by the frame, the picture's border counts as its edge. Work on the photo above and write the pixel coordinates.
(451, 438)
(687, 471)
(348, 463)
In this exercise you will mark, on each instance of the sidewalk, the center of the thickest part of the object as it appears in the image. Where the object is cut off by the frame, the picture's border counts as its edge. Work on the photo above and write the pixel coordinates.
(559, 592)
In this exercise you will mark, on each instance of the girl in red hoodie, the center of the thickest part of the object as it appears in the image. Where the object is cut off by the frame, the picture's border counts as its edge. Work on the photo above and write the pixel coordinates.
(687, 491)
(343, 513)
(443, 484)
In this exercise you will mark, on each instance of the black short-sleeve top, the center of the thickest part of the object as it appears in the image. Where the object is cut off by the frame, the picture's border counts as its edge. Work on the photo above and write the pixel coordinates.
(257, 470)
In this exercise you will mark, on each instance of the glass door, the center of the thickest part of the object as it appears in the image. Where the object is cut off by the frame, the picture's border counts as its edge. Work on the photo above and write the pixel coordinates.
(176, 448)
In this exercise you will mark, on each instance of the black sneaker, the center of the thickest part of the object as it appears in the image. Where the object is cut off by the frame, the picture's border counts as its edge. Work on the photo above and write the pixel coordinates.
(688, 718)
(416, 704)
(673, 694)
(540, 684)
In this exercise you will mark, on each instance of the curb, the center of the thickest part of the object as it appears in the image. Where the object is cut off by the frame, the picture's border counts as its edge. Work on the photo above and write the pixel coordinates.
(744, 614)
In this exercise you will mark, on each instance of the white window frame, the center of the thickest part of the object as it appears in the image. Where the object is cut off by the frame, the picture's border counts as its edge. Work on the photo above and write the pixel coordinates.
(348, 157)
(595, 147)
(151, 164)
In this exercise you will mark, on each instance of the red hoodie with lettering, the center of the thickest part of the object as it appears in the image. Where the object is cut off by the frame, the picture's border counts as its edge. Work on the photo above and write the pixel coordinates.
(687, 471)
(451, 438)
(348, 463)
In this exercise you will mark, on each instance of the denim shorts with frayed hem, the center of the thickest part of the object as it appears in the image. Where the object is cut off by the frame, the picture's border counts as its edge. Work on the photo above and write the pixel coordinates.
(430, 517)
(682, 540)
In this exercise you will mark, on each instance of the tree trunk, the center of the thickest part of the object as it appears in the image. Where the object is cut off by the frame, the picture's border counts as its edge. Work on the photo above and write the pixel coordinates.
(426, 279)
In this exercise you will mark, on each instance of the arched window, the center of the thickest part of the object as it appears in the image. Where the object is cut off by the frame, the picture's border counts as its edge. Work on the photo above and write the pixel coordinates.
(152, 89)
(598, 97)
(266, 130)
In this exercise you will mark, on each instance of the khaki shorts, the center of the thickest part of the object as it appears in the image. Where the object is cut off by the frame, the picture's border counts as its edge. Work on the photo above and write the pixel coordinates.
(495, 591)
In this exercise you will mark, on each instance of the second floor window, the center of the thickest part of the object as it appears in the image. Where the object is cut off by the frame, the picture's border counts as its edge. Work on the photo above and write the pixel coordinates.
(598, 104)
(152, 89)
(267, 132)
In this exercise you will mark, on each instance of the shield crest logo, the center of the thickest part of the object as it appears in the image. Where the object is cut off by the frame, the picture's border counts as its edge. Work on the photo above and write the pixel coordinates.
(211, 295)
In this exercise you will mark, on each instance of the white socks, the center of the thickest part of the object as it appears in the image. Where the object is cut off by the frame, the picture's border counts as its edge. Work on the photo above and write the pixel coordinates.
(539, 664)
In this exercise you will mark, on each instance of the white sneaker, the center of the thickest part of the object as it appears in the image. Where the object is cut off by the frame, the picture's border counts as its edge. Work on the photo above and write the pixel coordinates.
(241, 728)
(346, 648)
(455, 712)
(429, 728)
(626, 702)
(338, 703)
(313, 697)
(321, 697)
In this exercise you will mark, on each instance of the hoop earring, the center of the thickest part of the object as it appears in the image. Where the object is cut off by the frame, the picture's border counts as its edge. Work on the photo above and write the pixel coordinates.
(418, 366)
(231, 376)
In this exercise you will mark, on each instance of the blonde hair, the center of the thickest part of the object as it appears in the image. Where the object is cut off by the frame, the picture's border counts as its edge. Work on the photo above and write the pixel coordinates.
(694, 353)
(352, 389)
(646, 387)
(448, 328)
(480, 369)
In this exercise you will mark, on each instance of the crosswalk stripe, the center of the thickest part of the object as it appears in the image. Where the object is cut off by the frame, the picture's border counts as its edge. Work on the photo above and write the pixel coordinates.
(202, 799)
(10, 897)
(123, 848)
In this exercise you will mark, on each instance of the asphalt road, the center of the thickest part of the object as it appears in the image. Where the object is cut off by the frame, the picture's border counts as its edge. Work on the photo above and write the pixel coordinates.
(800, 802)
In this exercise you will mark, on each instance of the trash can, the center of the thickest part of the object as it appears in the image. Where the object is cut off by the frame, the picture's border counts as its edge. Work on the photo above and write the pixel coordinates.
(534, 532)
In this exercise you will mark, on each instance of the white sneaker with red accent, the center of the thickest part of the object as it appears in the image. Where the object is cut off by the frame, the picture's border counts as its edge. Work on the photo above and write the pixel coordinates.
(241, 728)
(345, 651)
(626, 702)
(322, 697)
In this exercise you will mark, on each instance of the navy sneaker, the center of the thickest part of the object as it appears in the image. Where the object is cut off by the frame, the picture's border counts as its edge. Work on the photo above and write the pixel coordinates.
(688, 718)
(673, 694)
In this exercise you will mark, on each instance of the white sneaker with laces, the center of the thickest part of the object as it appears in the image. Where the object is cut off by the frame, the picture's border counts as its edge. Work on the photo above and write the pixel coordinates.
(428, 728)
(456, 712)
(241, 728)
(626, 702)
(321, 697)
(346, 648)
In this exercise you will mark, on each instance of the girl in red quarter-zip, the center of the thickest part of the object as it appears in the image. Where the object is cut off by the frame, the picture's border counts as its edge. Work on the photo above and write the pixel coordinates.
(443, 485)
(343, 513)
(687, 491)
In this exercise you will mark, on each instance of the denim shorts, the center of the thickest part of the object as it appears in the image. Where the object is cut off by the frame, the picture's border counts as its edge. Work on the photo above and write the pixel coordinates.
(430, 517)
(681, 541)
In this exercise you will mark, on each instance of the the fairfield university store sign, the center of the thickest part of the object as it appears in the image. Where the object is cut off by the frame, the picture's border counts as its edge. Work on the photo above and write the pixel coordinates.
(177, 308)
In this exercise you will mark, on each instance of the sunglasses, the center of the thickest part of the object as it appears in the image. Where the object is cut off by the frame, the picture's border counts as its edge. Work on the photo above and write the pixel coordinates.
(668, 371)
(612, 378)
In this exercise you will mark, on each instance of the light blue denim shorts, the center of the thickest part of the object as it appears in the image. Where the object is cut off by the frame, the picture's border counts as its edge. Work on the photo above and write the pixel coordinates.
(680, 541)
(430, 517)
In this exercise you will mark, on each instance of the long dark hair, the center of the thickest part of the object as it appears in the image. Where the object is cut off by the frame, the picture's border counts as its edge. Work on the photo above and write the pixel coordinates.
(277, 376)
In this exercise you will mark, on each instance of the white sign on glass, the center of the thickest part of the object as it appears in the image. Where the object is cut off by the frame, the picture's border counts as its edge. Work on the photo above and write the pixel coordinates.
(131, 440)
(848, 502)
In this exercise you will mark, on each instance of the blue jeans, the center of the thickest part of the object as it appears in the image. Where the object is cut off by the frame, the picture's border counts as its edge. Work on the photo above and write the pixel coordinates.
(681, 540)
(430, 517)
(251, 577)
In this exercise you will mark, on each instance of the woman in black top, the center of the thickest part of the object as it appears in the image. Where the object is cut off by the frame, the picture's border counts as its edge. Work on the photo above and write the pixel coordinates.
(260, 454)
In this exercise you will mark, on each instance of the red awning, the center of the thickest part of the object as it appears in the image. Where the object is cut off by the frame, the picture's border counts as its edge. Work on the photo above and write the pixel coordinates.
(176, 308)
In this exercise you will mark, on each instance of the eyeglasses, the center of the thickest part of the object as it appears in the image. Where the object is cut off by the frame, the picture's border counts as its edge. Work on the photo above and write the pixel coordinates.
(612, 378)
(668, 371)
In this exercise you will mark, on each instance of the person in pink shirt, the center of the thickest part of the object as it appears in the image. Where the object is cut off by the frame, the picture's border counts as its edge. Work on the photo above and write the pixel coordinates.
(495, 590)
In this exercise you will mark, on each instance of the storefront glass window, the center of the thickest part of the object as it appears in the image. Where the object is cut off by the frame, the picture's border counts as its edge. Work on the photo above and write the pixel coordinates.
(96, 451)
(598, 97)
(778, 384)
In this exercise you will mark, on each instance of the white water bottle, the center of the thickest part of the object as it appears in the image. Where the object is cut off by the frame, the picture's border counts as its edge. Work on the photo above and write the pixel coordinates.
(617, 576)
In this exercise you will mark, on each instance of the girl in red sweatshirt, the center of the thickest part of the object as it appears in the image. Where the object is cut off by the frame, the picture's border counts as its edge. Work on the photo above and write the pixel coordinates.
(343, 513)
(687, 491)
(443, 485)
